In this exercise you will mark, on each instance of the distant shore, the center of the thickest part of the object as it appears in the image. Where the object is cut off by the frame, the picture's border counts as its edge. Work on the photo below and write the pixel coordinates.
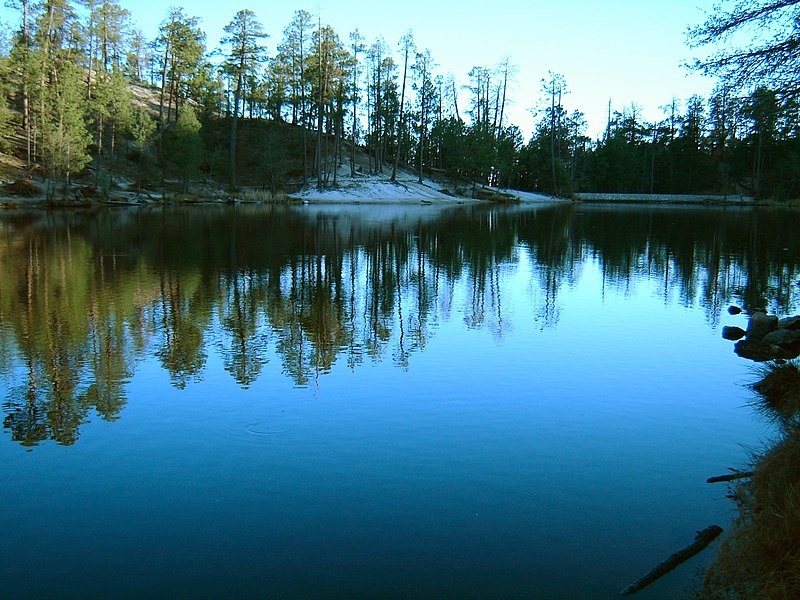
(665, 198)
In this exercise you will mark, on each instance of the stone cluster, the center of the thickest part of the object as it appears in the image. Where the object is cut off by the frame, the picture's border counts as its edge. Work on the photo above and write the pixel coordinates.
(767, 337)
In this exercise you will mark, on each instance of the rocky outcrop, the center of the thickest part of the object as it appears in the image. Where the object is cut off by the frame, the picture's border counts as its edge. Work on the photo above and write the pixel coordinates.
(766, 338)
(760, 324)
(783, 337)
(791, 323)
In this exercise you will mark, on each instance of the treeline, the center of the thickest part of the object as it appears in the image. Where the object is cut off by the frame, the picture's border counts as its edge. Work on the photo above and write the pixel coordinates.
(321, 103)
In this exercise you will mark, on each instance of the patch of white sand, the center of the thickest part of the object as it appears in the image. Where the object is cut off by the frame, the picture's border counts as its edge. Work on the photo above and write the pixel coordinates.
(378, 189)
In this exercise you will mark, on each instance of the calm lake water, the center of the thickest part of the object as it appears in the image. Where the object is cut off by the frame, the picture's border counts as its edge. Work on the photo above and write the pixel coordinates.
(373, 401)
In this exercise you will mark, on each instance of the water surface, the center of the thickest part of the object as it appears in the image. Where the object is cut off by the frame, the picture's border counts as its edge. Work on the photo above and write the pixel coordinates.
(373, 401)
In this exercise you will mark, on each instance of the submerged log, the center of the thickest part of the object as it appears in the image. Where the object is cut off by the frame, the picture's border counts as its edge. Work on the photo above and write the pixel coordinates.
(701, 541)
(730, 477)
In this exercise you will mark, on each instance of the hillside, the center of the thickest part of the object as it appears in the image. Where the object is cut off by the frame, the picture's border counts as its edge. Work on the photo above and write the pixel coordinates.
(269, 168)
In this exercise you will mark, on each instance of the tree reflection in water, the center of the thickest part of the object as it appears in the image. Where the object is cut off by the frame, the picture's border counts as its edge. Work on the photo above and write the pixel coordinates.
(84, 297)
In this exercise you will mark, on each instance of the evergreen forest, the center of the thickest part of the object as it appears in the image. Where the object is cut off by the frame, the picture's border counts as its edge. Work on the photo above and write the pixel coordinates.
(86, 97)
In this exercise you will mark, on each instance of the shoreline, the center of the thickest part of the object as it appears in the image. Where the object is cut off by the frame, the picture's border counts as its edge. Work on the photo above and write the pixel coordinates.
(374, 190)
(651, 199)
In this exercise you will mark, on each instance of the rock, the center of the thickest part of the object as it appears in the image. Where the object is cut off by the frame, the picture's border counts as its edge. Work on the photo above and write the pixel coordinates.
(782, 337)
(757, 350)
(23, 187)
(733, 333)
(760, 324)
(792, 323)
(734, 310)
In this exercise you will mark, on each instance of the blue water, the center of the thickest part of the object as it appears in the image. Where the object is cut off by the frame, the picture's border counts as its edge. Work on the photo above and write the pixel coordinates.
(513, 410)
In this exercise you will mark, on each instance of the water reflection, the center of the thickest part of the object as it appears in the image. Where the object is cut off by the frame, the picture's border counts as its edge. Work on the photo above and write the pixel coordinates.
(84, 297)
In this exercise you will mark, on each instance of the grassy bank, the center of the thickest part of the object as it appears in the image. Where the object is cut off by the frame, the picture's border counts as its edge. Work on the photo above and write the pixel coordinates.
(760, 557)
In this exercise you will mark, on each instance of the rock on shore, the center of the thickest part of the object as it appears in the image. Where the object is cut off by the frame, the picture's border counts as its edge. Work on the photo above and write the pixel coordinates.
(767, 337)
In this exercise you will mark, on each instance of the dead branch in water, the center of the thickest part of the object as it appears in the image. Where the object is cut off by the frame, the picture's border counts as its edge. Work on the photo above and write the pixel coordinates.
(701, 541)
(730, 477)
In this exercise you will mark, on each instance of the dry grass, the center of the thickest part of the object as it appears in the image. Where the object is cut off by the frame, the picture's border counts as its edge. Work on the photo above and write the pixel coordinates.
(778, 393)
(260, 196)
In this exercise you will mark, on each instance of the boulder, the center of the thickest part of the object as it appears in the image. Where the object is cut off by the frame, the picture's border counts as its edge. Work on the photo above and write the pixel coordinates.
(792, 323)
(782, 337)
(733, 333)
(757, 350)
(760, 324)
(734, 310)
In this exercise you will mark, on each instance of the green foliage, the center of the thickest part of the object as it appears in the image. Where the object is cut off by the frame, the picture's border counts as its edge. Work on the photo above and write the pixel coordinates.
(143, 129)
(183, 146)
(181, 51)
(65, 139)
(244, 35)
(8, 123)
(8, 128)
(113, 101)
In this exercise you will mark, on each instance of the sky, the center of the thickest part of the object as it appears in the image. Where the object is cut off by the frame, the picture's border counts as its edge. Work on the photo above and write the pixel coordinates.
(622, 51)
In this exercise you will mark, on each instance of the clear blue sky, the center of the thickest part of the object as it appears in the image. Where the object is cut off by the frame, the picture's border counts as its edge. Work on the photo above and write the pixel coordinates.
(620, 50)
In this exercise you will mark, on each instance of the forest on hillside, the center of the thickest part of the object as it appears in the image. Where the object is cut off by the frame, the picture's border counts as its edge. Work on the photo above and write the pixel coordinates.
(85, 94)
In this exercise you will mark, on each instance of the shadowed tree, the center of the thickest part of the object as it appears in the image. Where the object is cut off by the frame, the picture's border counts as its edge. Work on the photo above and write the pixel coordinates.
(185, 146)
(426, 99)
(243, 35)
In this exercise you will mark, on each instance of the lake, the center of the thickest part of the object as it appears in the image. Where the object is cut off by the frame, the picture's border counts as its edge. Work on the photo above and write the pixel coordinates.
(374, 401)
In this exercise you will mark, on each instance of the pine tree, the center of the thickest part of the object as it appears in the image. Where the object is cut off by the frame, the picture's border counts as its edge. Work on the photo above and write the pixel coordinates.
(143, 129)
(244, 35)
(65, 140)
(357, 47)
(181, 46)
(406, 45)
(426, 98)
(184, 146)
(112, 108)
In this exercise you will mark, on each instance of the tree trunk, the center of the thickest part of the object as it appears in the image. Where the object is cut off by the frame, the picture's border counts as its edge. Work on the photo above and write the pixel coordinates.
(318, 154)
(422, 128)
(163, 83)
(455, 101)
(355, 112)
(26, 111)
(303, 115)
(505, 88)
(400, 120)
(553, 145)
(377, 114)
(91, 53)
(339, 123)
(234, 129)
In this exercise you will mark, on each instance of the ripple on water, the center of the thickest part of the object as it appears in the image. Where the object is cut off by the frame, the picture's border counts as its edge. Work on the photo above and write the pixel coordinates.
(265, 428)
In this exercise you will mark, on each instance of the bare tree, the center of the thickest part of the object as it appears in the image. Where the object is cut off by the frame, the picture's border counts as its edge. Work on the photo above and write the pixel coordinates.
(770, 54)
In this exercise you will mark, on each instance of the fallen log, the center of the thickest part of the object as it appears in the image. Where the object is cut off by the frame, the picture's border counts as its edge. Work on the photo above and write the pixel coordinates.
(730, 477)
(701, 541)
